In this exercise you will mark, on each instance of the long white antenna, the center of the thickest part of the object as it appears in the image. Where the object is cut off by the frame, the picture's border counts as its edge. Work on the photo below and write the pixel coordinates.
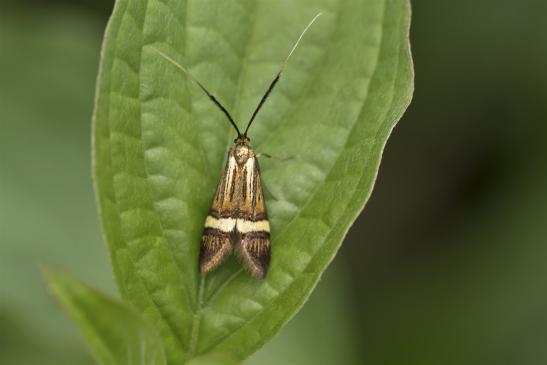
(299, 39)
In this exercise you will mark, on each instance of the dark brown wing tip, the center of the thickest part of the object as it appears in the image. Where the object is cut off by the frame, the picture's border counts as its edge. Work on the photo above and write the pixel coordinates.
(255, 253)
(260, 274)
(214, 249)
(257, 270)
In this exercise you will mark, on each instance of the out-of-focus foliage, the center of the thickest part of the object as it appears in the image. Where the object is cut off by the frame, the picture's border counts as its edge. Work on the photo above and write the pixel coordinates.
(48, 66)
(447, 262)
(453, 265)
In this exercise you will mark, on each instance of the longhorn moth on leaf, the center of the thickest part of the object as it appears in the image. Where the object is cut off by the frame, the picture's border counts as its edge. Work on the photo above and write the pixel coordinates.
(237, 220)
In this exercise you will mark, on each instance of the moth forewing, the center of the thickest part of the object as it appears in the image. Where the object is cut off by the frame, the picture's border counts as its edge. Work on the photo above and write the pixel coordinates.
(253, 227)
(238, 217)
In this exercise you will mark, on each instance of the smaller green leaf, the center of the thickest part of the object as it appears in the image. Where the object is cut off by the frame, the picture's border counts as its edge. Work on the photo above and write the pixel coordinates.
(116, 334)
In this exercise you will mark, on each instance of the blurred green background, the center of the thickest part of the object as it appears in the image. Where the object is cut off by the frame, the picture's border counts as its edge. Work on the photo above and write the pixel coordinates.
(448, 262)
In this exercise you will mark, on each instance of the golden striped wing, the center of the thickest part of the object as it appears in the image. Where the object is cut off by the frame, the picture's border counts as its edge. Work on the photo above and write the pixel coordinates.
(238, 218)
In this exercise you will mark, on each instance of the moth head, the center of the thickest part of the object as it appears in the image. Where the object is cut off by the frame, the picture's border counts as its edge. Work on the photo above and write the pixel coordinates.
(242, 150)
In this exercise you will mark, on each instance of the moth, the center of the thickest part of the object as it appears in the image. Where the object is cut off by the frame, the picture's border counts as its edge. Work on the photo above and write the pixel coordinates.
(238, 220)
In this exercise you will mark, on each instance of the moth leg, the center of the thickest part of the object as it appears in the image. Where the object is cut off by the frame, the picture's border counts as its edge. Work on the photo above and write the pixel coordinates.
(255, 251)
(215, 247)
(267, 155)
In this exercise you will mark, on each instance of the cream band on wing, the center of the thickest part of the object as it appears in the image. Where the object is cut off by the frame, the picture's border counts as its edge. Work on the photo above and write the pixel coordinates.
(222, 224)
(246, 226)
(243, 226)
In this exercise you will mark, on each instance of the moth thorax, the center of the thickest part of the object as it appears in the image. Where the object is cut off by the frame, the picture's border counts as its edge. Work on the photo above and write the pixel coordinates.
(242, 153)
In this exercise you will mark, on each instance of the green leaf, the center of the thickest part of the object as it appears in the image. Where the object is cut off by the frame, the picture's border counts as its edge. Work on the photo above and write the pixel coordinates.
(117, 335)
(159, 147)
